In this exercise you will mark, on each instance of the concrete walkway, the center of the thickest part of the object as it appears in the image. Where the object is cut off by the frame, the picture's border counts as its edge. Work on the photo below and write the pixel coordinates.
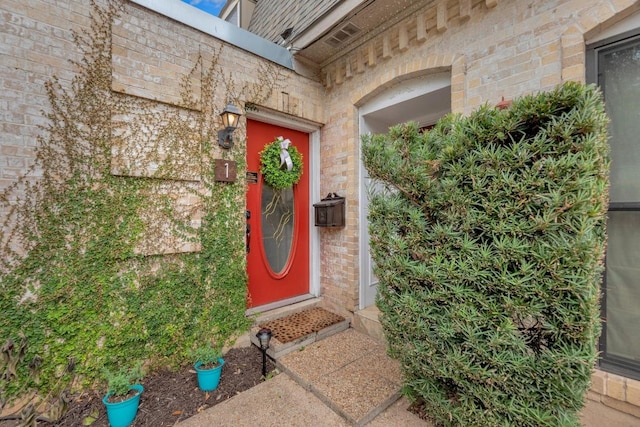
(343, 380)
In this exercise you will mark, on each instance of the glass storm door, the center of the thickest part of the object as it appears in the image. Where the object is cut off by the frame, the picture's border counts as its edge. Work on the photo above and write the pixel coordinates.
(617, 72)
(277, 223)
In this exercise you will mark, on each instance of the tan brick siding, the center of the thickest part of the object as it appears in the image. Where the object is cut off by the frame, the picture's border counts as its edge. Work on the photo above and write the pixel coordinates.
(616, 391)
(35, 43)
(151, 55)
(501, 49)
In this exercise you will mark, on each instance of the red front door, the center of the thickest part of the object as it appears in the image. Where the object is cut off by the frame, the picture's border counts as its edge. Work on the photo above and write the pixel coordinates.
(278, 241)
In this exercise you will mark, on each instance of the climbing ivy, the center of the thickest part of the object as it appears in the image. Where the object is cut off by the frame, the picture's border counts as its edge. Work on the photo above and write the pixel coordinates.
(90, 273)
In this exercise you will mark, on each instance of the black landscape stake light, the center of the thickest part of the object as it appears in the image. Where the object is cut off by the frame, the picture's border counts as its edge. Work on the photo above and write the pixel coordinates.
(264, 336)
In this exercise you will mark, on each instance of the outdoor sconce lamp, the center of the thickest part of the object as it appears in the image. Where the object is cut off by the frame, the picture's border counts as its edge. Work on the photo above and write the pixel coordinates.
(230, 116)
(264, 336)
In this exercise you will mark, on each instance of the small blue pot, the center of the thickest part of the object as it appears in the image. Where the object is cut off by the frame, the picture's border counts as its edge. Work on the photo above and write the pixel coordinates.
(122, 414)
(208, 379)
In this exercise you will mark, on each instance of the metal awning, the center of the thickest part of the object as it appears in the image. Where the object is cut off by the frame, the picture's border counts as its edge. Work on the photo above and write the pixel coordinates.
(220, 29)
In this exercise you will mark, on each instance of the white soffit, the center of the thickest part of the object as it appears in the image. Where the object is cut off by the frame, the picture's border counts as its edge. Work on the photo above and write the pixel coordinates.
(423, 99)
(325, 24)
(407, 90)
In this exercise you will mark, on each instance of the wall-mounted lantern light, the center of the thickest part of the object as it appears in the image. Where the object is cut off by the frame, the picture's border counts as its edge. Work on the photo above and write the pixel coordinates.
(230, 116)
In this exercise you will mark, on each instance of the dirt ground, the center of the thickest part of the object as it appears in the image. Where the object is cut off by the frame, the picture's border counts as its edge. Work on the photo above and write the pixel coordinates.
(170, 397)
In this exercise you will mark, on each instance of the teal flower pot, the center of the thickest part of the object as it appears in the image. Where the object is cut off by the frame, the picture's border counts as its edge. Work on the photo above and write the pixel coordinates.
(208, 379)
(122, 414)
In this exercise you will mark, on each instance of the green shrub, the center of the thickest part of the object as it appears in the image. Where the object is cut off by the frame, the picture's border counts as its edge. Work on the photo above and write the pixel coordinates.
(206, 354)
(489, 244)
(120, 382)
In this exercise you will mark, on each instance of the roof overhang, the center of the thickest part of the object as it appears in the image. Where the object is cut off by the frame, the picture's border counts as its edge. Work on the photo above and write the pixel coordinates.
(317, 43)
(220, 29)
(326, 23)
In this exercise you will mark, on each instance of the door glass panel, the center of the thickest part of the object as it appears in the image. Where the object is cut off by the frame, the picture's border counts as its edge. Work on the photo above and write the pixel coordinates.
(277, 215)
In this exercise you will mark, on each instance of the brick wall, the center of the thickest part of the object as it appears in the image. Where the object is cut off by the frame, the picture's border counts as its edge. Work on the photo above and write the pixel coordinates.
(616, 391)
(35, 43)
(151, 54)
(493, 50)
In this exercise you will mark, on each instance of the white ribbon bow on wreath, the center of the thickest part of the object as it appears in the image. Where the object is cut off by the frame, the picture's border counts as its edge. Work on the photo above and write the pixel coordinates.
(285, 158)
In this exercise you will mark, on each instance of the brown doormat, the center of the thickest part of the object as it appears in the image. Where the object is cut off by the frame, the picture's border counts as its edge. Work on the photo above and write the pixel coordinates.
(298, 325)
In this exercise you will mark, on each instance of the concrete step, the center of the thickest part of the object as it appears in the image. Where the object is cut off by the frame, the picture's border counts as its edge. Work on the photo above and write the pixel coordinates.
(267, 315)
(349, 372)
(279, 349)
(367, 321)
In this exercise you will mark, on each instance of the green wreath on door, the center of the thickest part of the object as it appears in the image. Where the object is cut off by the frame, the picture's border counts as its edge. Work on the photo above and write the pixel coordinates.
(280, 164)
(281, 168)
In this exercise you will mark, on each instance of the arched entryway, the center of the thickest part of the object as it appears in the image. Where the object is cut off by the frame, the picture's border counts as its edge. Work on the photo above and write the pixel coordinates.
(422, 99)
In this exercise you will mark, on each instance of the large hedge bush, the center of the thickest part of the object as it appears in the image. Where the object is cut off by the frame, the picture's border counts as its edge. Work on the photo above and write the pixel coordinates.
(489, 244)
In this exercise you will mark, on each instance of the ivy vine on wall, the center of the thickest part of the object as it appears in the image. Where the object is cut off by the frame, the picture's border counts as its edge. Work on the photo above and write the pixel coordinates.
(88, 279)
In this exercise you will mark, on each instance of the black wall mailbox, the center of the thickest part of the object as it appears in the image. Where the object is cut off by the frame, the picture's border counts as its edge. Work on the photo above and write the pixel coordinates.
(330, 211)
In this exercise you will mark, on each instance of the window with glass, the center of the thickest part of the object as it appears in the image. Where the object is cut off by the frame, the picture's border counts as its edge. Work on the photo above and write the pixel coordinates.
(614, 65)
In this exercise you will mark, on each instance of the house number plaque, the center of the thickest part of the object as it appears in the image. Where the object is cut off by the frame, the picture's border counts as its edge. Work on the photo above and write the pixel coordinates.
(225, 170)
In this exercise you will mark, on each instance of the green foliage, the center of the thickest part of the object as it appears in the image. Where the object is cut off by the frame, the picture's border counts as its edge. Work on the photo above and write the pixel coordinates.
(85, 275)
(206, 354)
(278, 176)
(120, 381)
(488, 244)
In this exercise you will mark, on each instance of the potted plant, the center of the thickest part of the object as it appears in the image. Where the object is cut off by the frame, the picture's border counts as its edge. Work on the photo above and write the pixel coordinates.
(123, 395)
(208, 366)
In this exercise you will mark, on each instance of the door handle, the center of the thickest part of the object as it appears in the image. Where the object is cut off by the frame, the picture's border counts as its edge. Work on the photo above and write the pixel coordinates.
(248, 231)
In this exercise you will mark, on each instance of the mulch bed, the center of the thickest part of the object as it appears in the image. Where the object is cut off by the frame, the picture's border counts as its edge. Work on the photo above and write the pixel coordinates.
(170, 397)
